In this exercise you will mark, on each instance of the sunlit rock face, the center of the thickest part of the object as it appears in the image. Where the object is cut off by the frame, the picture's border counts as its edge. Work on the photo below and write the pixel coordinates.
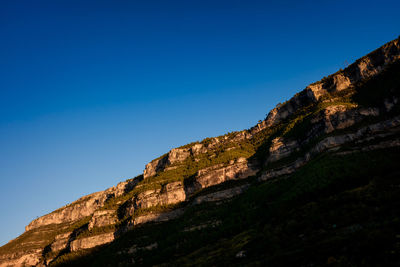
(364, 134)
(363, 68)
(220, 173)
(171, 193)
(99, 218)
(175, 156)
(60, 241)
(83, 207)
(102, 218)
(93, 241)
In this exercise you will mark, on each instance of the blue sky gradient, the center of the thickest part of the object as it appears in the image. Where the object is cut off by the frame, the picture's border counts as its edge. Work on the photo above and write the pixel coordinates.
(93, 90)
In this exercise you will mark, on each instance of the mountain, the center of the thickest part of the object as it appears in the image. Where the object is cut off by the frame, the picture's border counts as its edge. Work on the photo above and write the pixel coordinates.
(315, 183)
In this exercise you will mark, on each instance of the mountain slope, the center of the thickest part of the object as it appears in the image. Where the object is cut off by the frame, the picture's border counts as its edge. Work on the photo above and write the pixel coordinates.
(314, 183)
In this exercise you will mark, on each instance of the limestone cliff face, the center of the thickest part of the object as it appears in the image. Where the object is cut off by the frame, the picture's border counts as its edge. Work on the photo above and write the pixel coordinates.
(29, 259)
(363, 68)
(102, 218)
(83, 207)
(60, 241)
(174, 156)
(171, 193)
(330, 119)
(157, 217)
(363, 135)
(92, 241)
(281, 148)
(177, 192)
(99, 218)
(220, 195)
(217, 174)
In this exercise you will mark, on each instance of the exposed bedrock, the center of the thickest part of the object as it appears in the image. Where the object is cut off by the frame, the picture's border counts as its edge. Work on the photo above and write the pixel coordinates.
(332, 118)
(84, 206)
(366, 67)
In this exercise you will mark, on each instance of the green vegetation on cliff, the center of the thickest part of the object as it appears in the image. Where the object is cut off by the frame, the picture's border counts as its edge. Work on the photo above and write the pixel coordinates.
(339, 209)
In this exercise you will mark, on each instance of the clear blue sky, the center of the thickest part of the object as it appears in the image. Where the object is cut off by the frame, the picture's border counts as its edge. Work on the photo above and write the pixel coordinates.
(93, 90)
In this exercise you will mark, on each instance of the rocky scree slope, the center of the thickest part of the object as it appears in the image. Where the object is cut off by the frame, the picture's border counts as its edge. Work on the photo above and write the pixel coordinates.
(354, 110)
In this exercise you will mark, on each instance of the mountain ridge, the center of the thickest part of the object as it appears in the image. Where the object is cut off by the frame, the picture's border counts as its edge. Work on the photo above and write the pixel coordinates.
(294, 133)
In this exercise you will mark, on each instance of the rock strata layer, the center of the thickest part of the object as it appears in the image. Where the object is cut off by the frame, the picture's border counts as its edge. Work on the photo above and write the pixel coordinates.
(99, 218)
(90, 242)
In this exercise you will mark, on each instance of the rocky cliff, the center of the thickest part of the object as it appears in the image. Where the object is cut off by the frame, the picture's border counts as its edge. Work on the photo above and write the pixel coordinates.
(341, 114)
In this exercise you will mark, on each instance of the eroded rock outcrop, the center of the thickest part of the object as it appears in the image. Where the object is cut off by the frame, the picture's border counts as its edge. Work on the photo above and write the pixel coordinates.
(174, 156)
(73, 212)
(29, 259)
(281, 148)
(102, 218)
(158, 217)
(369, 133)
(171, 193)
(339, 117)
(220, 173)
(92, 241)
(176, 192)
(335, 117)
(317, 135)
(221, 195)
(84, 206)
(60, 241)
(366, 67)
